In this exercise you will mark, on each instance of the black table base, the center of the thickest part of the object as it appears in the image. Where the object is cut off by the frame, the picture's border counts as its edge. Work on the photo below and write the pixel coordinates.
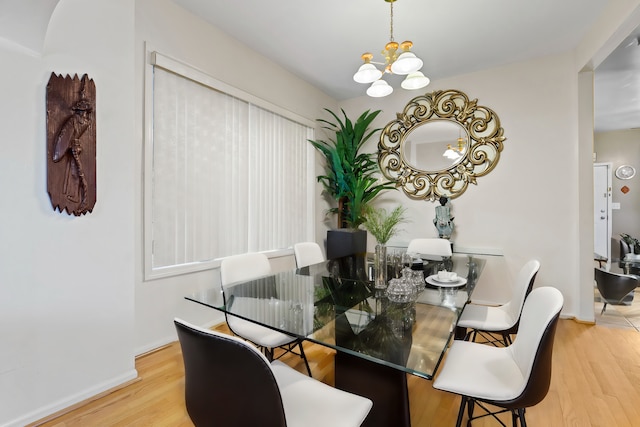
(385, 386)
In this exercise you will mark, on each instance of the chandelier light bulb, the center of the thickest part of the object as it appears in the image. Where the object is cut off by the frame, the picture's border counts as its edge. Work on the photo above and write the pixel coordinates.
(367, 73)
(407, 62)
(379, 89)
(415, 80)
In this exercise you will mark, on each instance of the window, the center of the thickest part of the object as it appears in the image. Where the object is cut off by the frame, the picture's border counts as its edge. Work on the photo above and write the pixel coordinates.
(225, 173)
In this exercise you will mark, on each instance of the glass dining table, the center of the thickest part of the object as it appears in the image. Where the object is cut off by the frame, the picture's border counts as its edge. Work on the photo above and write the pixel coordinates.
(377, 340)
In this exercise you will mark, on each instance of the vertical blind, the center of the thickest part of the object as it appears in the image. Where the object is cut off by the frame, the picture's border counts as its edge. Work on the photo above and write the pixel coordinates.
(227, 177)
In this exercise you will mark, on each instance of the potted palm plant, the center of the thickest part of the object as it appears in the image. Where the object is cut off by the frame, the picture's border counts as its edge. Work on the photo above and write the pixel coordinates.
(349, 179)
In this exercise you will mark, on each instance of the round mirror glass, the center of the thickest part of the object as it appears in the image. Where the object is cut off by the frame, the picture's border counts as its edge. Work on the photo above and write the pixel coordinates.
(435, 145)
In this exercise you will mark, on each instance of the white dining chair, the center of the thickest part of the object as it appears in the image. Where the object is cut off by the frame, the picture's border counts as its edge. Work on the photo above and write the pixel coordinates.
(500, 320)
(228, 382)
(307, 253)
(245, 267)
(430, 246)
(512, 378)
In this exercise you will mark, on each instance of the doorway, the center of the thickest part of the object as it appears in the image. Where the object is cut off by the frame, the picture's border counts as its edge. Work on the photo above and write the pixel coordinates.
(602, 211)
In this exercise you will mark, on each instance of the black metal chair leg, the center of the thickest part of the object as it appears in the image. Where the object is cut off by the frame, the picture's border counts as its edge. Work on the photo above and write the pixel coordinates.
(523, 422)
(470, 405)
(268, 352)
(507, 339)
(463, 403)
(304, 357)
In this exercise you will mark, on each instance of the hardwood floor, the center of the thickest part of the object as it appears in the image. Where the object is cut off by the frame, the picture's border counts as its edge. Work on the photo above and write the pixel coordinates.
(595, 382)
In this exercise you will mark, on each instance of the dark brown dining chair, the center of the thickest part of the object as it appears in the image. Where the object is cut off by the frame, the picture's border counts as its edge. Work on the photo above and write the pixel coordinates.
(615, 288)
(229, 383)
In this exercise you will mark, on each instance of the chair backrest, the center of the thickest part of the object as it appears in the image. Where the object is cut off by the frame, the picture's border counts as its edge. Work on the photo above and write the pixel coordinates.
(533, 347)
(227, 381)
(307, 253)
(239, 268)
(613, 286)
(624, 250)
(430, 246)
(521, 289)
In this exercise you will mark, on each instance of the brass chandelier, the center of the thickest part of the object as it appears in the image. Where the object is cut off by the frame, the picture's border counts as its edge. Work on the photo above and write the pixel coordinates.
(404, 62)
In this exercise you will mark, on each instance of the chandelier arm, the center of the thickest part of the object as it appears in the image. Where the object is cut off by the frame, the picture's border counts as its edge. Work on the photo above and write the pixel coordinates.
(402, 63)
(391, 21)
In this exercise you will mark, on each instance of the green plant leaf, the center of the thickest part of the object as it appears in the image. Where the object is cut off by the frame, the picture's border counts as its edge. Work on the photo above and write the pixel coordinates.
(383, 225)
(350, 174)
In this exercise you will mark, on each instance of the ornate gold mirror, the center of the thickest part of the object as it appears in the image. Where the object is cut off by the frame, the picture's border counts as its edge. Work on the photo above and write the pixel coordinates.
(440, 143)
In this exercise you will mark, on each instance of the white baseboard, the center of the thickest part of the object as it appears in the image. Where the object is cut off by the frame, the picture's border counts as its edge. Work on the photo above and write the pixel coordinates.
(154, 345)
(172, 338)
(61, 404)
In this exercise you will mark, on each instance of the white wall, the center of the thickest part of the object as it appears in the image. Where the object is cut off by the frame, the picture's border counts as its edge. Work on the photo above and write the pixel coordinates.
(66, 283)
(527, 205)
(73, 303)
(193, 41)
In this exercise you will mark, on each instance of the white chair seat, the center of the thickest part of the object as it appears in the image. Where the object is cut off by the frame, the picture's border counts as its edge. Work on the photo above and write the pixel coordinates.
(257, 334)
(306, 400)
(486, 318)
(269, 312)
(481, 371)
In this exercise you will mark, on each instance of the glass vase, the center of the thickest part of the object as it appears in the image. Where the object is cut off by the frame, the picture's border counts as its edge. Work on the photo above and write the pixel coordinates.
(380, 267)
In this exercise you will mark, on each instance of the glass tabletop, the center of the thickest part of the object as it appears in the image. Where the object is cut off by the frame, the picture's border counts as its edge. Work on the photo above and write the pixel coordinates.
(336, 305)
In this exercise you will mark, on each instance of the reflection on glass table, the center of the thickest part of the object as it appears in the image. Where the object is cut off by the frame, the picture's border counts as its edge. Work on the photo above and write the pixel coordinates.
(377, 339)
(317, 303)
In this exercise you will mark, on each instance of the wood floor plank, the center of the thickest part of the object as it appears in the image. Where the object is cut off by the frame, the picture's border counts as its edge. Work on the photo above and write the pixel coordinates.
(595, 383)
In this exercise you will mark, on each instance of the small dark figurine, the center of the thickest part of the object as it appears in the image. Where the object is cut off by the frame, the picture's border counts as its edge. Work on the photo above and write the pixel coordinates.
(443, 220)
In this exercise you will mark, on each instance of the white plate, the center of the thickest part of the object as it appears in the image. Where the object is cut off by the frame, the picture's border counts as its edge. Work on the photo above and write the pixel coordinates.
(432, 280)
(439, 280)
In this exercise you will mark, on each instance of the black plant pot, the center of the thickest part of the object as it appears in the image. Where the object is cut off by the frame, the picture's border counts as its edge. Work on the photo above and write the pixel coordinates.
(346, 241)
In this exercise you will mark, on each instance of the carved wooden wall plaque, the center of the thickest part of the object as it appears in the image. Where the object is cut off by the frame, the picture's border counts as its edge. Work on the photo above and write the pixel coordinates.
(71, 143)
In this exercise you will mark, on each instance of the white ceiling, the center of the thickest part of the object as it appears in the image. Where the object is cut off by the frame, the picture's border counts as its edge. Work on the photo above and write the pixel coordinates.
(321, 41)
(24, 22)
